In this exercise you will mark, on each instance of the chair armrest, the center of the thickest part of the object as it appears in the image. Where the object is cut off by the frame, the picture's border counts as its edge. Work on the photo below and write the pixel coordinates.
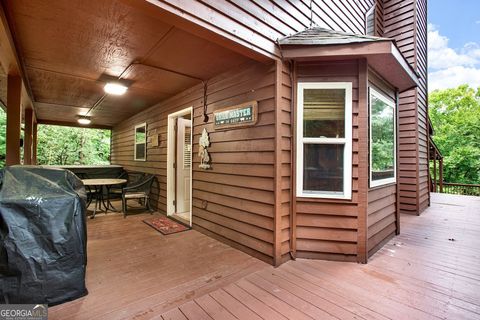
(138, 185)
(123, 175)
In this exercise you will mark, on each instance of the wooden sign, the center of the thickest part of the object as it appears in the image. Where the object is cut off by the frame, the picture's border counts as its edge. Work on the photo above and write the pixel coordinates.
(242, 115)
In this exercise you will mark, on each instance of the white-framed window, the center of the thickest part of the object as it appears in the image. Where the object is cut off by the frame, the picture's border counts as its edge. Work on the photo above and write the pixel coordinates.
(140, 143)
(383, 137)
(324, 140)
(370, 21)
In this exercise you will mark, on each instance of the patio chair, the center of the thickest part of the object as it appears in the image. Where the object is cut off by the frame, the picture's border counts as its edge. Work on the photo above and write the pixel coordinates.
(88, 190)
(140, 191)
(115, 191)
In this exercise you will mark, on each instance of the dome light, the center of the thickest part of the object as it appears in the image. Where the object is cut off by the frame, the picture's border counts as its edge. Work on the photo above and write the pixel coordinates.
(84, 120)
(115, 88)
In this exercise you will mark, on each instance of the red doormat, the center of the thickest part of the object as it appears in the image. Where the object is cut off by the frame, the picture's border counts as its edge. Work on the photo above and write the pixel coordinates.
(165, 225)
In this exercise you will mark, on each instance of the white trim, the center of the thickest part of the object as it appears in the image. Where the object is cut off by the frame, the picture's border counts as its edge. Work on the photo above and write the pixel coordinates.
(325, 140)
(135, 142)
(171, 160)
(389, 102)
(346, 141)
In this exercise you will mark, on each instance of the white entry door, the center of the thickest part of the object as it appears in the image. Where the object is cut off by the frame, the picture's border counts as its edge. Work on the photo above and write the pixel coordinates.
(183, 164)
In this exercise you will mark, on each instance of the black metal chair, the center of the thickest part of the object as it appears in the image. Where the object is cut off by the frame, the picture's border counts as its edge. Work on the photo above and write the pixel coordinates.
(90, 193)
(115, 191)
(139, 190)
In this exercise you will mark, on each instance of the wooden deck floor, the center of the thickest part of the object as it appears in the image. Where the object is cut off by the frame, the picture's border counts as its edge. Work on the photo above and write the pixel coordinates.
(135, 271)
(421, 274)
(430, 271)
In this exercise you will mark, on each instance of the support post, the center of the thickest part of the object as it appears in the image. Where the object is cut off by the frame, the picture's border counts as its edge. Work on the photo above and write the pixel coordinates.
(14, 118)
(434, 171)
(28, 138)
(277, 219)
(362, 231)
(440, 162)
(34, 142)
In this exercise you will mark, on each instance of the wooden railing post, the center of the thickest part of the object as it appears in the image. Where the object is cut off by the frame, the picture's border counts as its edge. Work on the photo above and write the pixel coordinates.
(434, 171)
(441, 175)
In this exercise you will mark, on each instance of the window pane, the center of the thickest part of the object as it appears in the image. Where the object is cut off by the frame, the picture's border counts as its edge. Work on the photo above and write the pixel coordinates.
(324, 113)
(323, 167)
(140, 151)
(382, 140)
(140, 135)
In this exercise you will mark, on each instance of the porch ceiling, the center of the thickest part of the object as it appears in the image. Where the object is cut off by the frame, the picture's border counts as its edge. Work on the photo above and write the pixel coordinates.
(68, 47)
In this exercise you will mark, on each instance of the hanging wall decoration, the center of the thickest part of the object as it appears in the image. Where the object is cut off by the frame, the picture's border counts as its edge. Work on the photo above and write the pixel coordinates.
(204, 143)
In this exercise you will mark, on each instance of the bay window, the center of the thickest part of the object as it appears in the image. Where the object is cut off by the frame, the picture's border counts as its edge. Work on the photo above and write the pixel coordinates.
(382, 139)
(324, 140)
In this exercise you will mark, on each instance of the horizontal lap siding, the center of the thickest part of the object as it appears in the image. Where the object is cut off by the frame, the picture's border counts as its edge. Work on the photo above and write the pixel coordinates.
(327, 229)
(408, 146)
(382, 200)
(399, 24)
(381, 216)
(379, 19)
(348, 16)
(286, 161)
(259, 23)
(421, 42)
(234, 200)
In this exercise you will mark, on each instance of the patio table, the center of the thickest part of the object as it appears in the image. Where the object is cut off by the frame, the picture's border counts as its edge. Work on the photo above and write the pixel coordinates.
(99, 185)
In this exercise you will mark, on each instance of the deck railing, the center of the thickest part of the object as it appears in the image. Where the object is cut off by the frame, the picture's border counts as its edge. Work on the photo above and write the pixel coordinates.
(459, 188)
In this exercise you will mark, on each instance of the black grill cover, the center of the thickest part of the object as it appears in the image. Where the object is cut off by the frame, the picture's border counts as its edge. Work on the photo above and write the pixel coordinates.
(42, 235)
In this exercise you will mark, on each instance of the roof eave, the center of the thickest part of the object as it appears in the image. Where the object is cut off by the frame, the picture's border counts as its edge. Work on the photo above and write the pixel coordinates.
(383, 56)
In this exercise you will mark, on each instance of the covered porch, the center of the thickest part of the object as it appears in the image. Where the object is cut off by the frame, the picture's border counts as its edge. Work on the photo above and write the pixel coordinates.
(56, 59)
(428, 272)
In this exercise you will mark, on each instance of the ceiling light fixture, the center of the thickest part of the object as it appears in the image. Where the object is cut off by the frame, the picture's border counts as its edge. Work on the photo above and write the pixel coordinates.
(84, 120)
(115, 88)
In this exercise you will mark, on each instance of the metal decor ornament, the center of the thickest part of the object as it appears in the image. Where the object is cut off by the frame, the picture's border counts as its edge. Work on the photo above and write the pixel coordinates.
(204, 143)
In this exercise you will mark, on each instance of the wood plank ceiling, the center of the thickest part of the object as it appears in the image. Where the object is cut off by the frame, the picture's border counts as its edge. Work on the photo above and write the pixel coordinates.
(68, 47)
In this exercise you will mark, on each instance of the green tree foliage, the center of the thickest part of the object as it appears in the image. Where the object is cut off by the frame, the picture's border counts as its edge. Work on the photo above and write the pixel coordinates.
(455, 116)
(66, 145)
(383, 126)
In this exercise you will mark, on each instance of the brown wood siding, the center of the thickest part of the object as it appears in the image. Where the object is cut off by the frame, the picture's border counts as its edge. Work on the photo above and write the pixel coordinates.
(381, 216)
(406, 22)
(421, 66)
(382, 200)
(284, 134)
(379, 13)
(327, 229)
(257, 24)
(407, 149)
(234, 201)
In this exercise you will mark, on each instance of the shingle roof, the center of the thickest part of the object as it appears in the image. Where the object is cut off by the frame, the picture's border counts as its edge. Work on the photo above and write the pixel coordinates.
(322, 36)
